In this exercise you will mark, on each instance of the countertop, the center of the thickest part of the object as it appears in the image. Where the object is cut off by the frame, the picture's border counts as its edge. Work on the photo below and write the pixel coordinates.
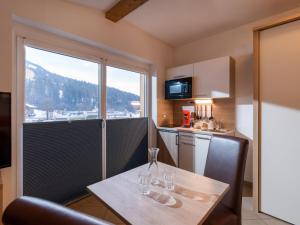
(197, 131)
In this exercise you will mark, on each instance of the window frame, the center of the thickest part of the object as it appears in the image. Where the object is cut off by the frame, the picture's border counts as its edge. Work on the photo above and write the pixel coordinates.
(146, 85)
(18, 89)
(64, 52)
(73, 47)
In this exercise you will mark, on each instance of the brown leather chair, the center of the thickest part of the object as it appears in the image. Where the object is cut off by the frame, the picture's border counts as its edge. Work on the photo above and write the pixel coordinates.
(34, 211)
(226, 162)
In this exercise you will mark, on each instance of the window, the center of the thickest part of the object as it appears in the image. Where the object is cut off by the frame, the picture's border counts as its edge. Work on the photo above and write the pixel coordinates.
(125, 93)
(60, 87)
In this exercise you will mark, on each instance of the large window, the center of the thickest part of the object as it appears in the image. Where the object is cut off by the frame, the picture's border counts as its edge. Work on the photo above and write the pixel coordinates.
(60, 87)
(125, 93)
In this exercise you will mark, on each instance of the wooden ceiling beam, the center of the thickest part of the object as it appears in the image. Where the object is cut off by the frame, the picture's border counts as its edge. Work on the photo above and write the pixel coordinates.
(123, 8)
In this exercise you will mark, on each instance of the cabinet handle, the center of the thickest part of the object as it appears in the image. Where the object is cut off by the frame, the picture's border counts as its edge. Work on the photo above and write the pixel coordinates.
(168, 131)
(177, 140)
(185, 143)
(179, 76)
(186, 136)
(202, 138)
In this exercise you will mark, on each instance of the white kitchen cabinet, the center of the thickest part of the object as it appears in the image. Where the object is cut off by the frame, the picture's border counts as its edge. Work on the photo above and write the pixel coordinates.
(193, 150)
(201, 151)
(180, 72)
(213, 78)
(187, 151)
(170, 139)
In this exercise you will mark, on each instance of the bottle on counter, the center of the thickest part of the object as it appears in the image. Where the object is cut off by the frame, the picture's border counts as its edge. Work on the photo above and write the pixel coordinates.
(211, 120)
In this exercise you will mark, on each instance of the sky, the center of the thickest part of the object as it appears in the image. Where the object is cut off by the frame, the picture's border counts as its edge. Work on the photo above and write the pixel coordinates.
(83, 70)
(123, 80)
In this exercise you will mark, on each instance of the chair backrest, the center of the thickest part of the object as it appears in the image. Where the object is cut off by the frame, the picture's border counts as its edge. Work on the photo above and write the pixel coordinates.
(225, 162)
(34, 211)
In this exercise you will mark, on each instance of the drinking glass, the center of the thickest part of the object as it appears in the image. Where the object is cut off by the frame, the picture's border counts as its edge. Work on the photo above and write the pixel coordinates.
(144, 179)
(169, 175)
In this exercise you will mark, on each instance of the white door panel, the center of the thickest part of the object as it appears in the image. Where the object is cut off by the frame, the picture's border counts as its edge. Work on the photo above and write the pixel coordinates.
(280, 196)
(280, 121)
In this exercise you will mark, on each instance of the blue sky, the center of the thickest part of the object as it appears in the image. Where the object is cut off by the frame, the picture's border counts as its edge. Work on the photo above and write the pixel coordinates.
(84, 70)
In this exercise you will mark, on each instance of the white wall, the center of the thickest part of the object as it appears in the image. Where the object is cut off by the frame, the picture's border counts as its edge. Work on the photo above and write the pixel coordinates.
(78, 21)
(237, 43)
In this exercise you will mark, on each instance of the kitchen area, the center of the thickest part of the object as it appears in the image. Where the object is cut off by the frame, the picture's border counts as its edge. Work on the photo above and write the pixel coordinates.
(202, 95)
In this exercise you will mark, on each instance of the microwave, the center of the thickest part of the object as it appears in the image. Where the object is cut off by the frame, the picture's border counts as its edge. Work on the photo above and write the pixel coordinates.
(179, 88)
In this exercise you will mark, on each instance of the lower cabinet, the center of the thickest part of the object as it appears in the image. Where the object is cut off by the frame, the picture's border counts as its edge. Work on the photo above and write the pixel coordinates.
(193, 150)
(168, 145)
(185, 150)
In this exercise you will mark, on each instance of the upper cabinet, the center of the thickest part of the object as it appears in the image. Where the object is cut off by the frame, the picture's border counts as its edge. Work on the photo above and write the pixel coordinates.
(213, 78)
(180, 72)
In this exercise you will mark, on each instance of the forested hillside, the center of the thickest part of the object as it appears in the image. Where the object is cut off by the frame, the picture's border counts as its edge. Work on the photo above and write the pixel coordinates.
(48, 91)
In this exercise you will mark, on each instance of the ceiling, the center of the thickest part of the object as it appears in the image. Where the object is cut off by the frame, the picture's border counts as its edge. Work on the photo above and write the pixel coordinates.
(178, 22)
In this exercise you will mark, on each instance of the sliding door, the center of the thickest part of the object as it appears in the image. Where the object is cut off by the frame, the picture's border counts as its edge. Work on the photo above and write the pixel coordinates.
(81, 121)
(279, 61)
(127, 122)
(62, 130)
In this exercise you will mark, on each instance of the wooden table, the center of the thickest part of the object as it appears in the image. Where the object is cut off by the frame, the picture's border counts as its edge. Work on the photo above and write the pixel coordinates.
(192, 200)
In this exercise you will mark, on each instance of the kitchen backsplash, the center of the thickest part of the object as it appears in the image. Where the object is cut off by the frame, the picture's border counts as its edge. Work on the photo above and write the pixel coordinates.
(223, 110)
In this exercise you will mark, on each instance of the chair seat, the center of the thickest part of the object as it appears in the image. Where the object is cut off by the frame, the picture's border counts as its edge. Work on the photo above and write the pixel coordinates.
(33, 211)
(222, 216)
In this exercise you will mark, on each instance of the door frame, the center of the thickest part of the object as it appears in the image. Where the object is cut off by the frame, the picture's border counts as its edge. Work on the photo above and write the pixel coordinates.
(257, 105)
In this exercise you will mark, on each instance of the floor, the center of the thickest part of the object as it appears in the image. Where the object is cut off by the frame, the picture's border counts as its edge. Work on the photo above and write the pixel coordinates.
(94, 207)
(249, 217)
(90, 205)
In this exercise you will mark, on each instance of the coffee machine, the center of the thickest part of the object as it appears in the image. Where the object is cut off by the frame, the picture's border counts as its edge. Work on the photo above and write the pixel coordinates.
(186, 120)
(187, 116)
